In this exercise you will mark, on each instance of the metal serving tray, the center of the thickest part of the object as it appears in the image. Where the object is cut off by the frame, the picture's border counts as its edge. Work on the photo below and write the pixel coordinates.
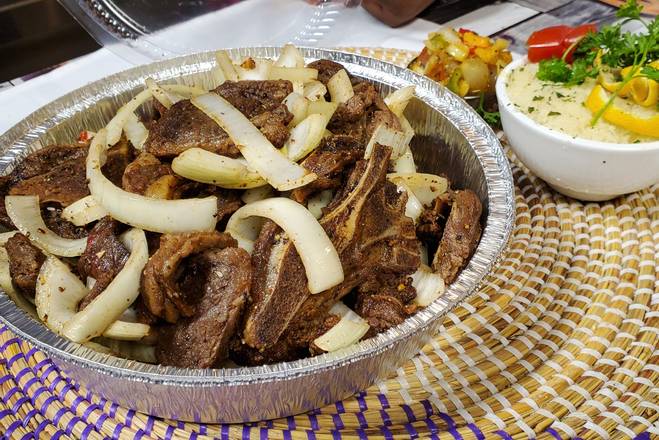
(451, 139)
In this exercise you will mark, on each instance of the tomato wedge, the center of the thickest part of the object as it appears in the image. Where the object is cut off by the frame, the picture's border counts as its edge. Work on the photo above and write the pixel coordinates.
(553, 41)
(547, 43)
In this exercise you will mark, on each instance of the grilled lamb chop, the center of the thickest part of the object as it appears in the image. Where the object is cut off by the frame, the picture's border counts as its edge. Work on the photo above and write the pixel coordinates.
(220, 279)
(162, 291)
(104, 257)
(461, 235)
(184, 126)
(25, 261)
(329, 161)
(368, 227)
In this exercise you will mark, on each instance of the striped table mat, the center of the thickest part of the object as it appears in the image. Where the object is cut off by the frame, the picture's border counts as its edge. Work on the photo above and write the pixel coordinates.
(561, 342)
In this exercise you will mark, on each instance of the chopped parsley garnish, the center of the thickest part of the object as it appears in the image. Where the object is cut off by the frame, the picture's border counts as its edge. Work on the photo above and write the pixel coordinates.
(492, 118)
(552, 113)
(538, 98)
(560, 95)
(531, 109)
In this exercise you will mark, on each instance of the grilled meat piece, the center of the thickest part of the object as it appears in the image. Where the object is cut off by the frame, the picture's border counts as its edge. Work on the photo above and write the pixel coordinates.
(327, 69)
(118, 157)
(253, 98)
(25, 261)
(334, 156)
(283, 351)
(52, 217)
(219, 280)
(361, 114)
(4, 189)
(140, 174)
(104, 257)
(161, 290)
(433, 219)
(461, 235)
(184, 126)
(367, 225)
(62, 183)
(42, 161)
(381, 311)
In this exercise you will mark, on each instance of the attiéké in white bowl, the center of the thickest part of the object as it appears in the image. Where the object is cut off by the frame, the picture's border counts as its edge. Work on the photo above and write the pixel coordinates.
(581, 168)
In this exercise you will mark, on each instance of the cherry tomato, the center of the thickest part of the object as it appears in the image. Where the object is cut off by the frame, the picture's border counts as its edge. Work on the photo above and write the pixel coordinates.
(547, 43)
(575, 35)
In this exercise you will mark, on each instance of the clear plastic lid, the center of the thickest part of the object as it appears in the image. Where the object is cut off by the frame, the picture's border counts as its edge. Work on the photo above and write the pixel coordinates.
(147, 30)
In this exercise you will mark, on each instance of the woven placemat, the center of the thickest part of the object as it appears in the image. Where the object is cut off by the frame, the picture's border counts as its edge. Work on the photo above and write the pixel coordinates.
(561, 342)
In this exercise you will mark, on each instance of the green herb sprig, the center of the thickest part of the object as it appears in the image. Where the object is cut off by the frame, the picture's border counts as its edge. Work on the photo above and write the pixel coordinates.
(492, 118)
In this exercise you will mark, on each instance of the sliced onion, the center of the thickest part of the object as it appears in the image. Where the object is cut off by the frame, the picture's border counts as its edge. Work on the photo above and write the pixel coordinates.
(297, 105)
(405, 163)
(340, 87)
(164, 98)
(84, 211)
(349, 330)
(25, 213)
(413, 207)
(290, 57)
(305, 137)
(127, 331)
(58, 293)
(426, 187)
(136, 131)
(319, 257)
(326, 109)
(316, 203)
(124, 289)
(182, 90)
(226, 65)
(314, 91)
(117, 123)
(297, 74)
(428, 284)
(270, 163)
(125, 349)
(256, 194)
(166, 216)
(383, 135)
(206, 167)
(5, 236)
(218, 75)
(398, 100)
(259, 73)
(7, 284)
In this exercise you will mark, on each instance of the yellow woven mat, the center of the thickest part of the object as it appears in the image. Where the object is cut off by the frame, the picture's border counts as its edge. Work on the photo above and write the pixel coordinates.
(561, 342)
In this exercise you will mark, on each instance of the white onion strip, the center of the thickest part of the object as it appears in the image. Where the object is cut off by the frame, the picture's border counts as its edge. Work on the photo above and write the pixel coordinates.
(124, 289)
(260, 72)
(426, 187)
(314, 91)
(293, 74)
(383, 135)
(290, 57)
(297, 105)
(256, 194)
(136, 131)
(166, 216)
(429, 286)
(326, 109)
(226, 65)
(270, 163)
(203, 166)
(398, 100)
(161, 95)
(340, 87)
(316, 203)
(305, 137)
(349, 330)
(319, 257)
(84, 211)
(413, 207)
(25, 213)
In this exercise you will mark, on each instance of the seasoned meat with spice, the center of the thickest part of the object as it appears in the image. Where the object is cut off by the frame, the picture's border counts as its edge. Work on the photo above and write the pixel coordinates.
(381, 312)
(4, 189)
(161, 288)
(331, 161)
(433, 219)
(104, 257)
(118, 157)
(361, 114)
(42, 161)
(184, 126)
(143, 172)
(327, 69)
(218, 282)
(62, 183)
(52, 217)
(25, 261)
(367, 225)
(461, 235)
(253, 98)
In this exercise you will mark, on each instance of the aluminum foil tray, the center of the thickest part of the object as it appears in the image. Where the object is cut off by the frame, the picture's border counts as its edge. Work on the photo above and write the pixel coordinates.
(451, 139)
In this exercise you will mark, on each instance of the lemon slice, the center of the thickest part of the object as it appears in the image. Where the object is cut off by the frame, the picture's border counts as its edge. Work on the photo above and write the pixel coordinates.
(622, 118)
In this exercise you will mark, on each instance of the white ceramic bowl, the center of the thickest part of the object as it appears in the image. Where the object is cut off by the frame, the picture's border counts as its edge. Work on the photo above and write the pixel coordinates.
(579, 168)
